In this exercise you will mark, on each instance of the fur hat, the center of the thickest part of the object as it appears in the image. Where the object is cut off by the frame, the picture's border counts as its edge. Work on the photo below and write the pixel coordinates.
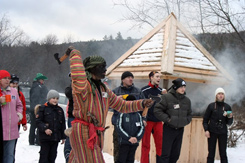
(126, 74)
(4, 74)
(219, 90)
(178, 83)
(52, 93)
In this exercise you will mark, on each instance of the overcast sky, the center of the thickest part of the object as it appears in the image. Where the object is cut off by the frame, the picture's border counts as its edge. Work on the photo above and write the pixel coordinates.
(82, 19)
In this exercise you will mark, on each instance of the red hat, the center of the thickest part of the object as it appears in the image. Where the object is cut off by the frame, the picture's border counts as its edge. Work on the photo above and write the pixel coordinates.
(4, 74)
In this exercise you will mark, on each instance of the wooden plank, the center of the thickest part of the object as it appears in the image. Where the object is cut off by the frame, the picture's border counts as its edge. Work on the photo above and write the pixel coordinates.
(204, 51)
(137, 68)
(108, 138)
(196, 71)
(169, 46)
(137, 45)
(185, 148)
(198, 152)
(165, 83)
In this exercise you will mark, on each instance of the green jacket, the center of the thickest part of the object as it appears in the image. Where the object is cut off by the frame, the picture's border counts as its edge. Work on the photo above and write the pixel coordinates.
(174, 109)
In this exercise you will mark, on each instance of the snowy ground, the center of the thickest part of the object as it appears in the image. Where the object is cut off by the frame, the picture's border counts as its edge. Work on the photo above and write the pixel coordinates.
(29, 154)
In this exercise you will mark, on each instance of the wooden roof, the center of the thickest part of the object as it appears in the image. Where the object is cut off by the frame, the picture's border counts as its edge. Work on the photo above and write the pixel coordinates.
(170, 49)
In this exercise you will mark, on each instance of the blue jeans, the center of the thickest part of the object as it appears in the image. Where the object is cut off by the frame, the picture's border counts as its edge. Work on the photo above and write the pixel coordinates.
(8, 154)
(67, 148)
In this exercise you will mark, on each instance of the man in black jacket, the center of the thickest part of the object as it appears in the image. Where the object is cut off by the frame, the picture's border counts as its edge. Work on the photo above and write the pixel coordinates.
(38, 95)
(126, 88)
(175, 111)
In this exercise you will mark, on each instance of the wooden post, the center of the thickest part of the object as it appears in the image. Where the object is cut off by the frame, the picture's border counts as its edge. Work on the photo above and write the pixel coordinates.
(165, 83)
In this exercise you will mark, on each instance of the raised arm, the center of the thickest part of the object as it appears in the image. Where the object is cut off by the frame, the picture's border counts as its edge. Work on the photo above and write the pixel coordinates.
(78, 74)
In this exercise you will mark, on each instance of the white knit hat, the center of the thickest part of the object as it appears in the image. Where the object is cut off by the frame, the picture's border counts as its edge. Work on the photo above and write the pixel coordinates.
(52, 93)
(219, 90)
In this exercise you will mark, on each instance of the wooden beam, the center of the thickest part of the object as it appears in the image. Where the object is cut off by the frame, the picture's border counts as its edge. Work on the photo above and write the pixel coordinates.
(169, 46)
(165, 83)
(196, 71)
(138, 68)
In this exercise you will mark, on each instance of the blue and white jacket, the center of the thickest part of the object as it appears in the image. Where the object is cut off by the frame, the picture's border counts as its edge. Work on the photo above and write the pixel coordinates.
(129, 125)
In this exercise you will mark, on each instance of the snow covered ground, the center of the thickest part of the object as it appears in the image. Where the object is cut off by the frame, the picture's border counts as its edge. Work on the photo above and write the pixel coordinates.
(29, 154)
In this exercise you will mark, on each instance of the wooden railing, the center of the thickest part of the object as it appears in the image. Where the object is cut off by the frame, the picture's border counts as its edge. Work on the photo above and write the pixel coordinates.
(194, 146)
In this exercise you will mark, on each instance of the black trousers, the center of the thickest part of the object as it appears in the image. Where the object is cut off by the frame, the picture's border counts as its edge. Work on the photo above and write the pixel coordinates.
(222, 142)
(48, 151)
(171, 144)
(33, 135)
(126, 153)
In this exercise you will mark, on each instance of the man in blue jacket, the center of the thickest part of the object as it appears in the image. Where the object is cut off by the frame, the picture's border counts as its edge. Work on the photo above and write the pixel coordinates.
(126, 87)
(130, 128)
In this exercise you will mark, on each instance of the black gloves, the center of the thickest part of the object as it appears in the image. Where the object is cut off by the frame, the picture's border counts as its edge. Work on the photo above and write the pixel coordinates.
(68, 51)
(56, 56)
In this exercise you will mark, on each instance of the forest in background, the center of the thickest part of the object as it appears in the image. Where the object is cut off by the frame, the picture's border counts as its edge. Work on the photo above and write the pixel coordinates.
(26, 61)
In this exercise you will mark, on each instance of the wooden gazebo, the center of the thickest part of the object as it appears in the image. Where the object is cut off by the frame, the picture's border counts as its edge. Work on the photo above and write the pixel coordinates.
(170, 49)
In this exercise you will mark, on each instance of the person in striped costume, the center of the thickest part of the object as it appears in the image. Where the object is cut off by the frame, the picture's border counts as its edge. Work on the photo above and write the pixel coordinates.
(92, 100)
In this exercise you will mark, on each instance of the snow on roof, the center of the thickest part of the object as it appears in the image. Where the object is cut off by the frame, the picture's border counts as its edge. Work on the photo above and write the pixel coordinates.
(147, 54)
(186, 54)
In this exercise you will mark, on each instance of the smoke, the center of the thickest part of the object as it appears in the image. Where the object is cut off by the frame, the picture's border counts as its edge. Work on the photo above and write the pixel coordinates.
(202, 94)
(233, 61)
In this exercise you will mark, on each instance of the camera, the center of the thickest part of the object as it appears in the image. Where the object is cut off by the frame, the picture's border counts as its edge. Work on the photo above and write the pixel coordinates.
(219, 124)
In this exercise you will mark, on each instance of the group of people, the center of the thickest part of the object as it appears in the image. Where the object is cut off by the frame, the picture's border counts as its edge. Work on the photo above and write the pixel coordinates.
(47, 117)
(89, 102)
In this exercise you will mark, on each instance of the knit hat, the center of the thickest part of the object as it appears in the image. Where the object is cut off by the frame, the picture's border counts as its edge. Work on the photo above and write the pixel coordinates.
(52, 93)
(219, 90)
(178, 83)
(92, 61)
(4, 74)
(14, 78)
(40, 76)
(126, 74)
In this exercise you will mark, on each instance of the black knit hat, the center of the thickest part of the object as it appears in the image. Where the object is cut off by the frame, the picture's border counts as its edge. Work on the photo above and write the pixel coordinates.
(178, 83)
(126, 74)
(14, 78)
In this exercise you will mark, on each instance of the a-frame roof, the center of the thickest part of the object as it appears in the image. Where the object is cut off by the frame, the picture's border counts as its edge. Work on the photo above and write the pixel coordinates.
(170, 49)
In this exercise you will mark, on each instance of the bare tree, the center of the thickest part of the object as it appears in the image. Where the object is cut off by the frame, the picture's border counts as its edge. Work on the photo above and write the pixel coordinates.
(10, 35)
(69, 38)
(50, 39)
(151, 12)
(199, 15)
(227, 18)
